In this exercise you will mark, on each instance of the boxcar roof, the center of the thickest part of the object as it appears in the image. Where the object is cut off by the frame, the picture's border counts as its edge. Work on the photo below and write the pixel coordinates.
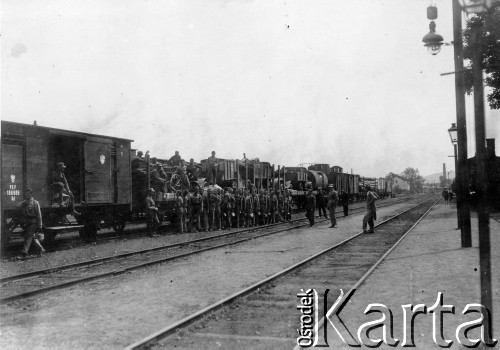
(67, 131)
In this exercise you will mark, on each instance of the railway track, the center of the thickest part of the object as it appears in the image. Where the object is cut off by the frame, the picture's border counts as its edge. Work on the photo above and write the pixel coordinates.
(25, 285)
(265, 314)
(136, 231)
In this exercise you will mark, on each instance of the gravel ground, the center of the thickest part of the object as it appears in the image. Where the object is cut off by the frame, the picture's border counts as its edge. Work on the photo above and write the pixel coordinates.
(115, 312)
(108, 248)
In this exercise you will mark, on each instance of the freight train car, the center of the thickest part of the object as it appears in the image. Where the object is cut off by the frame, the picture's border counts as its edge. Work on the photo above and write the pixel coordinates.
(97, 170)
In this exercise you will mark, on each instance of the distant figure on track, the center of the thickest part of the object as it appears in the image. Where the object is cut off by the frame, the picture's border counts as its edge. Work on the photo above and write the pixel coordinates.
(344, 200)
(371, 210)
(446, 196)
(310, 207)
(31, 221)
(333, 200)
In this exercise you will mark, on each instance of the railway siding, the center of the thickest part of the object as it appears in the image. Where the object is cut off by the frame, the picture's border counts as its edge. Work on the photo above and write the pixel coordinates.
(94, 313)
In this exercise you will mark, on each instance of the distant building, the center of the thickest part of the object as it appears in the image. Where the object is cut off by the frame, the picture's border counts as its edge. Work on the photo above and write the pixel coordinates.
(398, 185)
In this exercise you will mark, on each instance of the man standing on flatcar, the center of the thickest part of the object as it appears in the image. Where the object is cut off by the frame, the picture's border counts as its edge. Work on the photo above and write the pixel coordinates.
(371, 210)
(152, 221)
(192, 170)
(333, 200)
(310, 207)
(212, 164)
(31, 221)
(176, 159)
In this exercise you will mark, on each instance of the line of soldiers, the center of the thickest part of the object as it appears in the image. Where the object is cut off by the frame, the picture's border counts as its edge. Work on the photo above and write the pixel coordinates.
(217, 209)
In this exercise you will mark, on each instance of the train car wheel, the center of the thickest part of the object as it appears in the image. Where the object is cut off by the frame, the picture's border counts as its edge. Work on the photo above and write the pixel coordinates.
(118, 224)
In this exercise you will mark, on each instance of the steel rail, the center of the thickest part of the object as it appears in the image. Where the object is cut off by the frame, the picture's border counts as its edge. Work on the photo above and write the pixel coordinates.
(162, 247)
(144, 264)
(190, 319)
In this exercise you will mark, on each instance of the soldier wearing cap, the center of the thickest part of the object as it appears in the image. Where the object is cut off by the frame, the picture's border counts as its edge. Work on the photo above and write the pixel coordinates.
(192, 170)
(310, 206)
(239, 205)
(31, 221)
(152, 221)
(333, 199)
(179, 211)
(215, 201)
(195, 209)
(256, 208)
(212, 164)
(61, 187)
(249, 205)
(204, 209)
(264, 207)
(176, 159)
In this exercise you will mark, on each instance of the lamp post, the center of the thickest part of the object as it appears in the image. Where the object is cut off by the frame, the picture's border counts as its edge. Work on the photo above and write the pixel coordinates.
(454, 139)
(461, 169)
(473, 7)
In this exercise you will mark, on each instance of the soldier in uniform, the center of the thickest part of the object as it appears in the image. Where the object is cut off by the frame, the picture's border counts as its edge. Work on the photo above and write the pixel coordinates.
(204, 209)
(196, 207)
(248, 208)
(60, 186)
(344, 200)
(256, 208)
(239, 204)
(186, 195)
(273, 203)
(139, 163)
(179, 211)
(333, 199)
(192, 170)
(212, 164)
(157, 181)
(320, 201)
(310, 207)
(371, 210)
(152, 221)
(214, 213)
(264, 207)
(286, 206)
(176, 159)
(31, 221)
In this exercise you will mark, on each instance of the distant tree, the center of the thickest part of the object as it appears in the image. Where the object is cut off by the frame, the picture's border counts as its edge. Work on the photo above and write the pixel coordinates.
(414, 179)
(490, 50)
(390, 176)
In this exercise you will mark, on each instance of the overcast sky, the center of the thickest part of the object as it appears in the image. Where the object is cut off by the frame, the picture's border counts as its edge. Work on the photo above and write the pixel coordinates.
(341, 82)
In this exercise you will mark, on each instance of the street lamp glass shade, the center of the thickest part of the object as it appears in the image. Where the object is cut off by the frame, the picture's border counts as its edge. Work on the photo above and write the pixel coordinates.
(453, 131)
(475, 6)
(433, 41)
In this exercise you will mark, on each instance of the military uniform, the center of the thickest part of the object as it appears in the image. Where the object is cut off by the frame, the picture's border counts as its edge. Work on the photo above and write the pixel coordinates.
(31, 220)
(195, 205)
(204, 210)
(179, 211)
(264, 208)
(333, 199)
(371, 211)
(256, 209)
(239, 204)
(273, 201)
(175, 160)
(215, 201)
(212, 169)
(321, 204)
(310, 208)
(152, 221)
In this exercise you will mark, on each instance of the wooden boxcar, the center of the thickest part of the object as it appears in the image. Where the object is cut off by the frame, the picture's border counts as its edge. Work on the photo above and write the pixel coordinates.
(98, 174)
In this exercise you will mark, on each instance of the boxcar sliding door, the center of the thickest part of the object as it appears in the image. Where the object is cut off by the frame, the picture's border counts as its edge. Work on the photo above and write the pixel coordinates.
(98, 172)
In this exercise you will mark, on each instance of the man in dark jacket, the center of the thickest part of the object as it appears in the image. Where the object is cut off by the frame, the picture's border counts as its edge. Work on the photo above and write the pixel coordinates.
(31, 221)
(310, 207)
(344, 200)
(320, 201)
(333, 200)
